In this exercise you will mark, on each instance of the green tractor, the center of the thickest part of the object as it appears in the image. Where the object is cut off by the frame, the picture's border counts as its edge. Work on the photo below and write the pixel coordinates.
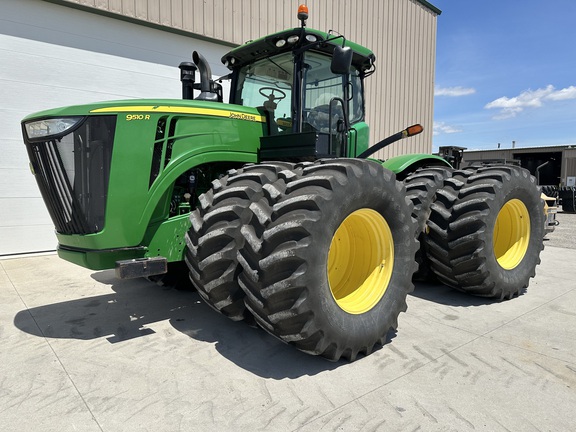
(269, 206)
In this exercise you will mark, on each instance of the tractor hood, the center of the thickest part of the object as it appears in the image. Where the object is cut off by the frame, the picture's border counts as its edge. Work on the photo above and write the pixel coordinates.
(137, 109)
(107, 171)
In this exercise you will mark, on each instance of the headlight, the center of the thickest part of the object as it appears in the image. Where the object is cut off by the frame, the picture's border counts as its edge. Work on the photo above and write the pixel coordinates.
(292, 39)
(50, 127)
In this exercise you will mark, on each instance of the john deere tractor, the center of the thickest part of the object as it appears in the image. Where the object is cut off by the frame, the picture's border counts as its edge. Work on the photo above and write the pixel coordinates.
(269, 205)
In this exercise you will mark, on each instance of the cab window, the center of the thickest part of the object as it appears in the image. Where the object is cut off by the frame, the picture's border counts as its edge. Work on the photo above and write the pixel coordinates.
(265, 82)
(324, 96)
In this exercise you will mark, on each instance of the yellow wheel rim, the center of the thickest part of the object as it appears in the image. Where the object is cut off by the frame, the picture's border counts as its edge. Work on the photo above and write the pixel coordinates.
(360, 261)
(511, 234)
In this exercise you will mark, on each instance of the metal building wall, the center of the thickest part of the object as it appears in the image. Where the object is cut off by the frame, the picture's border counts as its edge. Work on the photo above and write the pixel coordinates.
(402, 34)
(568, 165)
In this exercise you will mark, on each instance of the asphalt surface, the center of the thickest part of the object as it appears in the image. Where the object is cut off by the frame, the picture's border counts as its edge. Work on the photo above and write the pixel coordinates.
(83, 351)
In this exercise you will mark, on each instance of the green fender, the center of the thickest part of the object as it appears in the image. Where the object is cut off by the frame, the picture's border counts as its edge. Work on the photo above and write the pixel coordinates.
(405, 164)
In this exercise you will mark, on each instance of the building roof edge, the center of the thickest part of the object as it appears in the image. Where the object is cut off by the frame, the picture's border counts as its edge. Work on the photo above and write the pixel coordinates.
(430, 6)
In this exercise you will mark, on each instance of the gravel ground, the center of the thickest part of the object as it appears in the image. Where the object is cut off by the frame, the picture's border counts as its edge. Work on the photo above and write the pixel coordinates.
(564, 235)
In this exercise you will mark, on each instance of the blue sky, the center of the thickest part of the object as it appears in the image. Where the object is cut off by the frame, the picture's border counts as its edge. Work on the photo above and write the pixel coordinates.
(505, 71)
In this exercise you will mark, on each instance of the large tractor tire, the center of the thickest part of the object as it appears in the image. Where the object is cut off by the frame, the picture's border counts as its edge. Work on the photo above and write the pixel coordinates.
(332, 269)
(486, 230)
(214, 237)
(567, 196)
(421, 187)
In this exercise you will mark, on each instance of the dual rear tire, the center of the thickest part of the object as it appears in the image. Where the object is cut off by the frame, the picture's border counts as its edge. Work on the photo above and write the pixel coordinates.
(485, 231)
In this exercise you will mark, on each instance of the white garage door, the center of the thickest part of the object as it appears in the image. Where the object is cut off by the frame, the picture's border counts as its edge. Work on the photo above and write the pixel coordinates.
(54, 56)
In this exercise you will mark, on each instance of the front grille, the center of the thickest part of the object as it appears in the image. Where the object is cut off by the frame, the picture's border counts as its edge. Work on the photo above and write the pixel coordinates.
(73, 171)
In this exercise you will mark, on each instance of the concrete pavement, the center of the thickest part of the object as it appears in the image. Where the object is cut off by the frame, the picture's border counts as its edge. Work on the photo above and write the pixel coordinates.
(82, 351)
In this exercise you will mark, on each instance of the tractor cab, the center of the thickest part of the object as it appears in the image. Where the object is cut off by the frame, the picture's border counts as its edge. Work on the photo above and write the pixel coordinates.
(309, 87)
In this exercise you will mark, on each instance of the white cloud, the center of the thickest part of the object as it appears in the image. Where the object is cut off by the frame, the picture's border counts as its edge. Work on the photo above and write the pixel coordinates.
(510, 107)
(453, 91)
(565, 93)
(443, 128)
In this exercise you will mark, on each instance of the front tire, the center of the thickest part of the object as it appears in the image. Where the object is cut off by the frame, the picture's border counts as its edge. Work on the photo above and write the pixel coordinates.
(215, 235)
(335, 261)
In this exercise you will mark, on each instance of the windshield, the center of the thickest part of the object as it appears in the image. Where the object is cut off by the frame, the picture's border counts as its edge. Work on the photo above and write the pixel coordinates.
(268, 84)
(267, 80)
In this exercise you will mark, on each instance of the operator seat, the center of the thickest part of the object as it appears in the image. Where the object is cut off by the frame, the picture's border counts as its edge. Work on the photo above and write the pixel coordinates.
(319, 116)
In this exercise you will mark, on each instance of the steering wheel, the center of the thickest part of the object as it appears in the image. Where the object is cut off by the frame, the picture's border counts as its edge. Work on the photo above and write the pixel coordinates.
(272, 97)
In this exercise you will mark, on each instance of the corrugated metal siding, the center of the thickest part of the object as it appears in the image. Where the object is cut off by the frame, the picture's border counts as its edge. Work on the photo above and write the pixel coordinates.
(402, 34)
(570, 167)
(487, 155)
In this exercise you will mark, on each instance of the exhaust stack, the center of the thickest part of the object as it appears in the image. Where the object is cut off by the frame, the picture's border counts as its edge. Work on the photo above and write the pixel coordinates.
(207, 92)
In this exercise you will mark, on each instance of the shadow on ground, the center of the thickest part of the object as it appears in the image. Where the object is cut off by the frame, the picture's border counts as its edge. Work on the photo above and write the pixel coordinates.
(135, 304)
(126, 314)
(442, 294)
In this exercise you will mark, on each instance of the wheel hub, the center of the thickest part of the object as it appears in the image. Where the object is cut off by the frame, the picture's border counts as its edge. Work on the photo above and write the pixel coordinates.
(511, 234)
(360, 261)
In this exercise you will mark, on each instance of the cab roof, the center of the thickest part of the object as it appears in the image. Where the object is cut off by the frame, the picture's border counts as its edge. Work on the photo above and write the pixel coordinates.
(301, 37)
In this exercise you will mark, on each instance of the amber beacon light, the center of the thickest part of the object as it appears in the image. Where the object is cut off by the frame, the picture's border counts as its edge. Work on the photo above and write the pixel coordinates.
(303, 14)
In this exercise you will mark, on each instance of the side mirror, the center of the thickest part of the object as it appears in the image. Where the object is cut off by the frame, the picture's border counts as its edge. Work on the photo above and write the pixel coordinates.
(341, 60)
